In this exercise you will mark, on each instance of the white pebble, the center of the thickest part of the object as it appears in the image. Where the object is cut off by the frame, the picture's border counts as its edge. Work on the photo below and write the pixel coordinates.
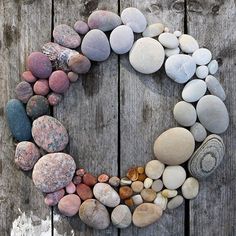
(161, 201)
(153, 30)
(168, 40)
(169, 52)
(213, 67)
(148, 183)
(190, 188)
(166, 29)
(137, 199)
(177, 33)
(188, 44)
(202, 56)
(202, 72)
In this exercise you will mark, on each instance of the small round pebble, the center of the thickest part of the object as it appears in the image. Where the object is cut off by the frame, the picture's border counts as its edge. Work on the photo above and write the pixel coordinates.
(81, 27)
(24, 91)
(134, 18)
(52, 199)
(41, 87)
(79, 63)
(173, 177)
(166, 29)
(202, 56)
(70, 188)
(137, 186)
(84, 191)
(157, 185)
(125, 192)
(185, 113)
(198, 131)
(103, 178)
(132, 174)
(77, 180)
(137, 199)
(188, 44)
(213, 67)
(148, 183)
(202, 72)
(59, 82)
(168, 40)
(89, 179)
(175, 202)
(190, 188)
(26, 155)
(37, 106)
(153, 30)
(148, 195)
(73, 77)
(121, 216)
(154, 169)
(177, 33)
(171, 52)
(39, 65)
(80, 172)
(140, 169)
(114, 181)
(69, 205)
(28, 76)
(54, 98)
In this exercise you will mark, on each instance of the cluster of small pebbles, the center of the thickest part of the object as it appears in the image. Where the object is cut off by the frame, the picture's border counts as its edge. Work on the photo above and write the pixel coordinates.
(146, 191)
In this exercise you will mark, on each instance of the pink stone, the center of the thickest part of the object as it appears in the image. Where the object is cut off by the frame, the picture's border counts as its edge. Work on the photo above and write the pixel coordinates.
(81, 27)
(103, 178)
(41, 87)
(28, 77)
(59, 81)
(70, 188)
(24, 91)
(51, 199)
(54, 98)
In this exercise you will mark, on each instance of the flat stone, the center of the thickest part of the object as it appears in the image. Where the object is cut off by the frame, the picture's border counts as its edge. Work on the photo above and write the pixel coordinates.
(207, 157)
(180, 68)
(213, 67)
(170, 52)
(175, 202)
(168, 40)
(153, 30)
(202, 56)
(53, 172)
(188, 44)
(198, 131)
(202, 72)
(215, 87)
(154, 169)
(148, 195)
(194, 90)
(147, 55)
(49, 134)
(166, 146)
(121, 216)
(213, 114)
(190, 188)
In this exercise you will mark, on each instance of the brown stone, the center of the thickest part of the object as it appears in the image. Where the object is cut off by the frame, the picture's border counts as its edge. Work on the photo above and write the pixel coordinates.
(89, 179)
(132, 174)
(148, 195)
(125, 192)
(84, 191)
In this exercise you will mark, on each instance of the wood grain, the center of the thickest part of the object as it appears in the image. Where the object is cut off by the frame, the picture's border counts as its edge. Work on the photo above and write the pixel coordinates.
(213, 212)
(21, 24)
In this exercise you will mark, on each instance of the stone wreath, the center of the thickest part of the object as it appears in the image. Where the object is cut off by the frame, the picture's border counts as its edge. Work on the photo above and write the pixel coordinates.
(146, 191)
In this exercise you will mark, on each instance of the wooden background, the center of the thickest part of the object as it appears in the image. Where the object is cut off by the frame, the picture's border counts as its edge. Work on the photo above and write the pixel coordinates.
(114, 114)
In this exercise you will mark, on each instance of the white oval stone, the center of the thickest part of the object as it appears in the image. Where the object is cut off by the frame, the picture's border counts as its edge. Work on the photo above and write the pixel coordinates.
(202, 72)
(169, 193)
(194, 90)
(161, 201)
(121, 39)
(137, 199)
(170, 52)
(147, 55)
(148, 183)
(173, 177)
(188, 44)
(177, 33)
(202, 56)
(153, 30)
(190, 188)
(213, 67)
(185, 113)
(121, 216)
(180, 68)
(215, 87)
(198, 131)
(154, 169)
(175, 202)
(106, 195)
(168, 40)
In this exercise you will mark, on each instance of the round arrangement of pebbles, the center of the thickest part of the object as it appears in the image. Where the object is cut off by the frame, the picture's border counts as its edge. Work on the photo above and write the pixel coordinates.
(145, 192)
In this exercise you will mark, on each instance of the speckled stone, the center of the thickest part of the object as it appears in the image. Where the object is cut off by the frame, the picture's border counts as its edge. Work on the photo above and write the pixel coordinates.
(153, 30)
(26, 155)
(66, 36)
(188, 44)
(53, 172)
(81, 27)
(54, 98)
(49, 134)
(28, 77)
(103, 20)
(18, 121)
(37, 106)
(52, 199)
(24, 91)
(121, 216)
(59, 81)
(198, 131)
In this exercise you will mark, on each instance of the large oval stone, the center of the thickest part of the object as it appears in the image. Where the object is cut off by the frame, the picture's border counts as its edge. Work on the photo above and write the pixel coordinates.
(213, 114)
(18, 121)
(53, 171)
(174, 146)
(94, 214)
(146, 214)
(49, 134)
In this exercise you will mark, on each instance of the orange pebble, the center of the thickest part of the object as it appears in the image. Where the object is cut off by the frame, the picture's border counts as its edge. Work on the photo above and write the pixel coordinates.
(129, 202)
(140, 170)
(142, 177)
(132, 174)
(125, 192)
(103, 178)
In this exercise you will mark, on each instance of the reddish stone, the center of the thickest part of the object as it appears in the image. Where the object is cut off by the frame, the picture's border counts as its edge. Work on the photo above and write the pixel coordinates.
(51, 199)
(54, 98)
(59, 81)
(103, 178)
(24, 91)
(28, 77)
(70, 188)
(41, 87)
(125, 192)
(89, 179)
(84, 191)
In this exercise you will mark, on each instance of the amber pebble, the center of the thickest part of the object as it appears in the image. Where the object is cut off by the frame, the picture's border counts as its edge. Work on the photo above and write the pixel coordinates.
(142, 177)
(125, 192)
(103, 178)
(80, 172)
(132, 174)
(129, 202)
(89, 179)
(140, 170)
(84, 191)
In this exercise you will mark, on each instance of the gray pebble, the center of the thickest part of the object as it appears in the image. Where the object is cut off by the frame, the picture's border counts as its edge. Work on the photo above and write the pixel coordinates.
(198, 131)
(81, 27)
(213, 67)
(168, 40)
(175, 202)
(169, 52)
(188, 44)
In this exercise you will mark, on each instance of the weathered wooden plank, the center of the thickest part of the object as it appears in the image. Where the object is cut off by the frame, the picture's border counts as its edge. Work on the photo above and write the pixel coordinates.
(90, 112)
(24, 27)
(213, 22)
(146, 104)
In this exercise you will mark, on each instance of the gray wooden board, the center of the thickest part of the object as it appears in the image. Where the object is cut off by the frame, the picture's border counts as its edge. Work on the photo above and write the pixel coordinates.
(22, 207)
(213, 212)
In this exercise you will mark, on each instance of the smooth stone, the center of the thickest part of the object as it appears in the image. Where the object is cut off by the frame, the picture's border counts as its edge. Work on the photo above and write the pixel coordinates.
(121, 39)
(194, 90)
(171, 52)
(146, 214)
(137, 186)
(147, 55)
(72, 76)
(49, 134)
(84, 191)
(207, 157)
(70, 188)
(213, 67)
(202, 56)
(121, 216)
(202, 72)
(26, 155)
(166, 146)
(28, 77)
(153, 30)
(185, 113)
(81, 27)
(198, 131)
(95, 45)
(79, 63)
(154, 169)
(168, 40)
(114, 181)
(180, 68)
(106, 195)
(173, 177)
(166, 29)
(188, 44)
(66, 36)
(103, 20)
(52, 199)
(18, 121)
(134, 18)
(215, 87)
(53, 171)
(148, 195)
(132, 174)
(137, 199)
(190, 188)
(213, 114)
(103, 178)
(89, 179)
(54, 98)
(125, 192)
(37, 106)
(175, 202)
(147, 183)
(161, 201)
(177, 33)
(41, 87)
(125, 181)
(169, 193)
(94, 214)
(59, 82)
(24, 91)
(157, 185)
